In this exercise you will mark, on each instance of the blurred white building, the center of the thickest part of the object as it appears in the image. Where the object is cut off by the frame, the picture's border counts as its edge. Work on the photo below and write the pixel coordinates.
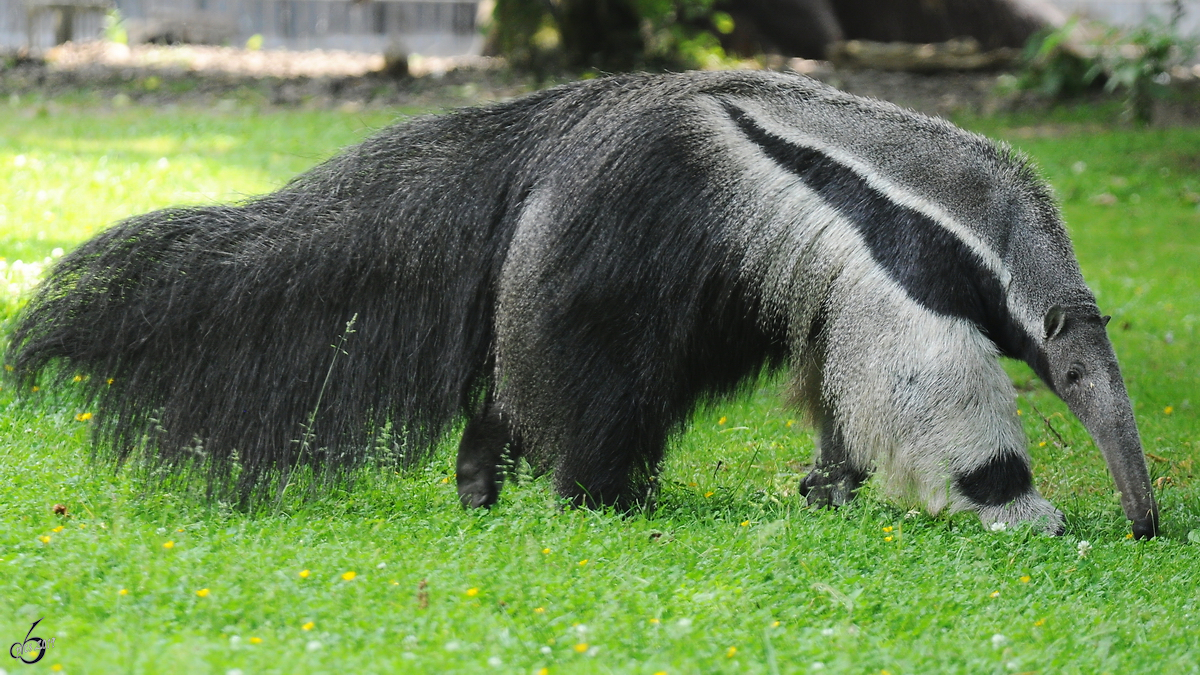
(1134, 12)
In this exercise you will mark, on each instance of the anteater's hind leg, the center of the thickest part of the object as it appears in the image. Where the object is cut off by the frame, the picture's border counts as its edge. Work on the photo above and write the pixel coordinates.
(487, 451)
(620, 470)
(834, 479)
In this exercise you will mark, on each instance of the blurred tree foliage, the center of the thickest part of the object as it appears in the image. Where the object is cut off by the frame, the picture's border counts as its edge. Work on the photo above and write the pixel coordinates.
(608, 34)
(1136, 62)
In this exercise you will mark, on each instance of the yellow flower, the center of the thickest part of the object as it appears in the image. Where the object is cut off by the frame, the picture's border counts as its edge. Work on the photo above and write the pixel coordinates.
(83, 417)
(169, 544)
(304, 574)
(56, 667)
(745, 523)
(255, 640)
(775, 624)
(1042, 444)
(544, 671)
(889, 528)
(1018, 412)
(545, 551)
(349, 576)
(45, 539)
(581, 647)
(708, 494)
(1168, 410)
(110, 381)
(472, 592)
(888, 538)
(446, 479)
(1039, 622)
(660, 672)
(1025, 579)
(395, 583)
(789, 423)
(583, 562)
(37, 388)
(1129, 535)
(730, 652)
(884, 672)
(722, 420)
(654, 622)
(995, 594)
(539, 610)
(122, 592)
(77, 378)
(203, 592)
(57, 529)
(307, 626)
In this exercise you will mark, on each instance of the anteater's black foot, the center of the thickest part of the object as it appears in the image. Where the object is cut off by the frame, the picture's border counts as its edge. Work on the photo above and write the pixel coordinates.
(831, 486)
(485, 454)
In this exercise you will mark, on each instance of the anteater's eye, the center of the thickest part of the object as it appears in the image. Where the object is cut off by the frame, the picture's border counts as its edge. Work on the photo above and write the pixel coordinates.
(1074, 375)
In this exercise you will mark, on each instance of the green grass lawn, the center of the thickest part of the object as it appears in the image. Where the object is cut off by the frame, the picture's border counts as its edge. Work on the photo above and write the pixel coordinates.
(732, 573)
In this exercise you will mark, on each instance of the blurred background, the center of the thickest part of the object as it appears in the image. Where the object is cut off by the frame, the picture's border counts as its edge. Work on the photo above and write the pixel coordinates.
(598, 30)
(605, 34)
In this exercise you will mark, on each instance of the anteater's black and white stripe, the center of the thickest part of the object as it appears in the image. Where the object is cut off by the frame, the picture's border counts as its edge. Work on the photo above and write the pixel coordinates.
(573, 270)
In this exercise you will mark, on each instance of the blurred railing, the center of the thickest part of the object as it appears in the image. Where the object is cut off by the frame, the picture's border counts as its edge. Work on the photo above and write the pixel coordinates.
(428, 27)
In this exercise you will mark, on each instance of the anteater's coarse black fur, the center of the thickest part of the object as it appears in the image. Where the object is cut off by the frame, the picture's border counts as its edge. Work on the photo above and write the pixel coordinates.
(217, 325)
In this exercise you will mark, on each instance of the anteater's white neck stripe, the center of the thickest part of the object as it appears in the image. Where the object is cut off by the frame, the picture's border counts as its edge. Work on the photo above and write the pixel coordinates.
(916, 242)
(886, 187)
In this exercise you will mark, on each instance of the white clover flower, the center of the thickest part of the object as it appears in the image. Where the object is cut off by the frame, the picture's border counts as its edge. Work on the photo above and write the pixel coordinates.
(999, 526)
(1083, 547)
(998, 641)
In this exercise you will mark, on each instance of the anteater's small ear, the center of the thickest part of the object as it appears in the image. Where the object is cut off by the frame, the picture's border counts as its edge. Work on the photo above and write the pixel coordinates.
(1055, 322)
(1105, 319)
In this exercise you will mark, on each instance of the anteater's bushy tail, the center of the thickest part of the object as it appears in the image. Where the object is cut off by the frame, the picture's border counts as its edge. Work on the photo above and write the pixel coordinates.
(218, 335)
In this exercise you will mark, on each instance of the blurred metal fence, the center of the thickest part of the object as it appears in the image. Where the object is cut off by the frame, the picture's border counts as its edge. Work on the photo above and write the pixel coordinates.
(429, 27)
